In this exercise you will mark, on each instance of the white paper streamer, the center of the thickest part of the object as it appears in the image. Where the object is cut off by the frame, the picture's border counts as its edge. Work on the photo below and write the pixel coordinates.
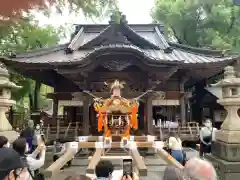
(150, 138)
(83, 138)
(122, 145)
(108, 143)
(100, 138)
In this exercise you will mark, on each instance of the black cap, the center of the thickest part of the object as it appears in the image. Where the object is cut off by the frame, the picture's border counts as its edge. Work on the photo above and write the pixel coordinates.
(9, 160)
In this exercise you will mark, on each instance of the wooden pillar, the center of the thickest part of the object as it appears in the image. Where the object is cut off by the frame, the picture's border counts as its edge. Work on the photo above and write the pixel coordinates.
(145, 122)
(182, 104)
(86, 103)
(149, 115)
(197, 108)
(55, 116)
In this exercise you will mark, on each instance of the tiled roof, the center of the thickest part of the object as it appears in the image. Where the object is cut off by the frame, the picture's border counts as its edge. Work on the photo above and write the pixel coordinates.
(147, 41)
(59, 56)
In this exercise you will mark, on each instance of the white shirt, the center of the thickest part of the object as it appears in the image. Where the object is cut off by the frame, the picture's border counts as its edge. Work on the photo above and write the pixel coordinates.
(175, 143)
(205, 131)
(34, 163)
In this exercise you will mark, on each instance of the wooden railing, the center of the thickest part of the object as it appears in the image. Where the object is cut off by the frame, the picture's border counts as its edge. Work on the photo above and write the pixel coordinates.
(66, 133)
(189, 132)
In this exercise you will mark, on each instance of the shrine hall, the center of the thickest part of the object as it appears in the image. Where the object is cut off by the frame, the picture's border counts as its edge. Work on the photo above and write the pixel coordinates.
(143, 57)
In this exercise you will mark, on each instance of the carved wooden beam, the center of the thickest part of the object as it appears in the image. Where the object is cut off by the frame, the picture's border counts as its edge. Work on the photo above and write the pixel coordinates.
(60, 95)
(74, 69)
(79, 95)
(165, 78)
(67, 71)
(169, 74)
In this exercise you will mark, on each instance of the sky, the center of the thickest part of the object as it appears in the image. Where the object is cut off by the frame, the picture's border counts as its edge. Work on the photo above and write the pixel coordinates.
(136, 11)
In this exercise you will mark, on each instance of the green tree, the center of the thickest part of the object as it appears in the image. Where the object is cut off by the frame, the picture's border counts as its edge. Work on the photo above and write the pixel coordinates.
(12, 9)
(22, 37)
(201, 23)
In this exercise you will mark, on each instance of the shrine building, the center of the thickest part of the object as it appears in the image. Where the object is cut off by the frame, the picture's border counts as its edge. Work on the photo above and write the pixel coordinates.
(138, 54)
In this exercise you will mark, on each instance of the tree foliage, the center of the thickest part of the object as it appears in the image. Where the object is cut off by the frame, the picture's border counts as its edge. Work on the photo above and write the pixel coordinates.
(23, 37)
(27, 35)
(13, 9)
(201, 23)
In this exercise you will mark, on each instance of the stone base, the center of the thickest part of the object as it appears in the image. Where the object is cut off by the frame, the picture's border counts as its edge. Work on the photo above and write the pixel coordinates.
(11, 135)
(228, 136)
(225, 170)
(226, 151)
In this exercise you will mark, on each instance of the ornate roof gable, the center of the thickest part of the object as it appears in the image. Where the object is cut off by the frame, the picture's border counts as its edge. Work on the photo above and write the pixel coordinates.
(118, 32)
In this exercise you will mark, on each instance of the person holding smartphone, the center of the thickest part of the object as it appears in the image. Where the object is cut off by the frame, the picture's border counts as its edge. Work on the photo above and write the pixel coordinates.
(30, 160)
(127, 168)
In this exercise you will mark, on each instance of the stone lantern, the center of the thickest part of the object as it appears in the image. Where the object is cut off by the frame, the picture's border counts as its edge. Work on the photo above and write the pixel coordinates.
(230, 129)
(5, 102)
(225, 154)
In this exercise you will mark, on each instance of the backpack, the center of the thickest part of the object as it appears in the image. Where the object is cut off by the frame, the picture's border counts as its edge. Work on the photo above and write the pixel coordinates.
(37, 176)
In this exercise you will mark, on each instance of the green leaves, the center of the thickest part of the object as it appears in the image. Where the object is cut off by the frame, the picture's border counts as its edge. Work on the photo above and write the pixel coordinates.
(211, 24)
(25, 36)
(12, 10)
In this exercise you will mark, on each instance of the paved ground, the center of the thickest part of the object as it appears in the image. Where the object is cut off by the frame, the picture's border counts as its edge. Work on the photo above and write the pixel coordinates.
(155, 166)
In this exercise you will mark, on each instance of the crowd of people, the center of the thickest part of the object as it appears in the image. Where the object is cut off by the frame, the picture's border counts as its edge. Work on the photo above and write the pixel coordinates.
(26, 155)
(14, 164)
(17, 163)
(195, 169)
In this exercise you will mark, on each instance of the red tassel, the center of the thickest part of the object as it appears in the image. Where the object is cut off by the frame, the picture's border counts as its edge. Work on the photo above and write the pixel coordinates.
(100, 121)
(134, 117)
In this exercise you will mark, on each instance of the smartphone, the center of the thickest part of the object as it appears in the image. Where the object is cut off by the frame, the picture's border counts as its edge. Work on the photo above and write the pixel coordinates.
(127, 167)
